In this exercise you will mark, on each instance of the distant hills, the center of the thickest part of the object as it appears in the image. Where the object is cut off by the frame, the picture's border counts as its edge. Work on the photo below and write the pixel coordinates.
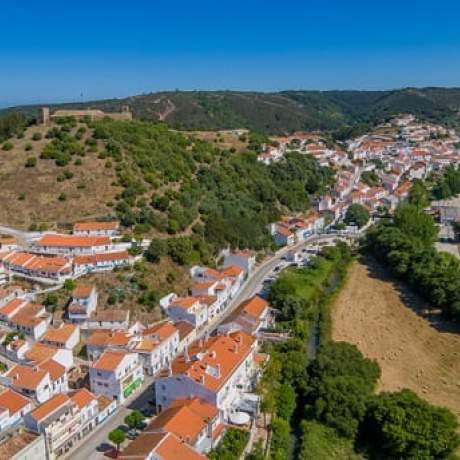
(281, 112)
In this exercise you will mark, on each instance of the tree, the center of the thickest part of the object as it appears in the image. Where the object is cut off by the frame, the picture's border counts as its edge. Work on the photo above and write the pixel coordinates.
(357, 214)
(70, 285)
(286, 401)
(134, 419)
(370, 178)
(117, 436)
(418, 194)
(156, 250)
(413, 221)
(51, 300)
(405, 426)
(342, 382)
(281, 439)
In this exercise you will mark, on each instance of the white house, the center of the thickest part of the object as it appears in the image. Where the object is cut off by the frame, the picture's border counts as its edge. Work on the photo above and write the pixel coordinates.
(88, 406)
(244, 259)
(65, 336)
(116, 374)
(109, 319)
(165, 336)
(13, 407)
(251, 316)
(73, 245)
(190, 309)
(83, 303)
(59, 421)
(39, 352)
(217, 370)
(32, 382)
(108, 228)
(159, 446)
(100, 262)
(102, 340)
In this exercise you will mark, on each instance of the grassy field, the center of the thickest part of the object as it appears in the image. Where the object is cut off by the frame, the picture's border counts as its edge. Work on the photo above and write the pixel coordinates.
(384, 320)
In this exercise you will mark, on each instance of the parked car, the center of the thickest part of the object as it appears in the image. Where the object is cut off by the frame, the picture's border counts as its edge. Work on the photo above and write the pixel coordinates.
(142, 426)
(148, 412)
(132, 434)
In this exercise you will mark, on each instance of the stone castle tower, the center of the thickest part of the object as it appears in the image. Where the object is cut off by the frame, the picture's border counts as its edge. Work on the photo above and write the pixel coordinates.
(44, 117)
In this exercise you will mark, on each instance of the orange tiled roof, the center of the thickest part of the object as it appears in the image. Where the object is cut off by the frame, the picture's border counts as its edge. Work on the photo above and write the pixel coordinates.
(11, 306)
(225, 351)
(82, 291)
(72, 241)
(61, 334)
(12, 401)
(55, 370)
(185, 302)
(162, 330)
(109, 360)
(172, 449)
(40, 352)
(49, 407)
(38, 263)
(146, 345)
(255, 306)
(105, 338)
(83, 398)
(103, 257)
(26, 377)
(180, 420)
(232, 270)
(94, 226)
(198, 406)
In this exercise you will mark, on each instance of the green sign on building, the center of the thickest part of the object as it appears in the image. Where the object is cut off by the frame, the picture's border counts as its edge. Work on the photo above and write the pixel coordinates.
(132, 386)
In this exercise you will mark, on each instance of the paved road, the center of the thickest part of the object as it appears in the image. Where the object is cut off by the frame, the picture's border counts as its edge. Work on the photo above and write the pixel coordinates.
(21, 236)
(87, 449)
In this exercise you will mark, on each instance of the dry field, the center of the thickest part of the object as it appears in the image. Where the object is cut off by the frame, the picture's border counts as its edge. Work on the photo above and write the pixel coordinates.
(31, 194)
(381, 318)
(222, 139)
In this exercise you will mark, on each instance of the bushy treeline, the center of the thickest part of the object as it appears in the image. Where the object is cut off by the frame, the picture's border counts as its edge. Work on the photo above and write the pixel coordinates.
(448, 185)
(11, 125)
(297, 294)
(406, 246)
(330, 399)
(175, 184)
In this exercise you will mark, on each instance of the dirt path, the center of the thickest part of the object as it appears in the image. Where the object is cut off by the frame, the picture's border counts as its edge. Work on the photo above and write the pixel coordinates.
(375, 314)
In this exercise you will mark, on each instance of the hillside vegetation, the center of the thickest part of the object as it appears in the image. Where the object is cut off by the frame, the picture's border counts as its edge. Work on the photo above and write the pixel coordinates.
(158, 182)
(282, 112)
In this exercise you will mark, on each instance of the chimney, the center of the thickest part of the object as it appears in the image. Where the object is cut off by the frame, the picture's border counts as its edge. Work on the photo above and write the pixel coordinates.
(202, 379)
(186, 356)
(170, 372)
(235, 348)
(218, 370)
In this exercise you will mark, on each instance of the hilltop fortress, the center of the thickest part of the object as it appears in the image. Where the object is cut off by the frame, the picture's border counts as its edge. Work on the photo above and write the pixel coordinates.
(94, 114)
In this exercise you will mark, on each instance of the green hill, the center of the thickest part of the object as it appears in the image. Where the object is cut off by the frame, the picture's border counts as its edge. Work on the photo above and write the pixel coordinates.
(281, 112)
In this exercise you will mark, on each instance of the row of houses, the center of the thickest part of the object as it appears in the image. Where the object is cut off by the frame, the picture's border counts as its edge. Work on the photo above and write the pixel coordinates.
(291, 230)
(206, 388)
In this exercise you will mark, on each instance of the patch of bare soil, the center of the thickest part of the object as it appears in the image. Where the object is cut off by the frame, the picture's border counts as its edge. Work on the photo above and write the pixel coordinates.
(385, 321)
(31, 195)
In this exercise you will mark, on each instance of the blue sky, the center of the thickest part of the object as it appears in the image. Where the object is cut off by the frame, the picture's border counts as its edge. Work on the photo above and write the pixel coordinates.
(55, 51)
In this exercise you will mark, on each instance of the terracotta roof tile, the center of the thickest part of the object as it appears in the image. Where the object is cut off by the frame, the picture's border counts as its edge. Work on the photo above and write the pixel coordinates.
(82, 291)
(61, 334)
(49, 407)
(72, 241)
(12, 401)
